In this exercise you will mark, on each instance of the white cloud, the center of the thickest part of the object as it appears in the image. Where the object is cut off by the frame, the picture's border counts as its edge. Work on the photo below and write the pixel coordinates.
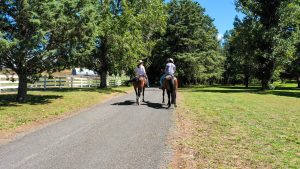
(220, 37)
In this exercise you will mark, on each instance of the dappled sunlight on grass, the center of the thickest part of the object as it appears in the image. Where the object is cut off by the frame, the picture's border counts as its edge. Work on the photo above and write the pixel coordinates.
(239, 127)
(50, 103)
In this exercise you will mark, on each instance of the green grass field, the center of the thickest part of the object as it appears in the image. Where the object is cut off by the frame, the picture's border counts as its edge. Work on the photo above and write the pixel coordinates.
(42, 105)
(236, 127)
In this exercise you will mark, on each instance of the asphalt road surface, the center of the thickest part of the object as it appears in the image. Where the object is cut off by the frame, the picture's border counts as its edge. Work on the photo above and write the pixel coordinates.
(117, 134)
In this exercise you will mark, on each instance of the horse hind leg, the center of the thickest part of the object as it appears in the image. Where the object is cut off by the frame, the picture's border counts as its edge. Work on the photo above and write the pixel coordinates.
(136, 95)
(174, 98)
(139, 96)
(163, 96)
(169, 99)
(144, 94)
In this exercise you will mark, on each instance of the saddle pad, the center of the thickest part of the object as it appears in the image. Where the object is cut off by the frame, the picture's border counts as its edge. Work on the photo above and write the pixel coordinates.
(169, 77)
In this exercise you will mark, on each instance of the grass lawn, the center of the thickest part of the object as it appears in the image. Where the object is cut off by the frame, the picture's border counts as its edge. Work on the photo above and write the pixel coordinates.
(43, 105)
(234, 127)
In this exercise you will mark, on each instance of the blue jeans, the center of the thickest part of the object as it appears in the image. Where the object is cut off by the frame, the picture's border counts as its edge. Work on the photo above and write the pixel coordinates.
(162, 79)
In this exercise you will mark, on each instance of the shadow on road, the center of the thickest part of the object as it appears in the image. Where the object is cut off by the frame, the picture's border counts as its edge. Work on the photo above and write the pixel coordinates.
(125, 103)
(154, 105)
(146, 103)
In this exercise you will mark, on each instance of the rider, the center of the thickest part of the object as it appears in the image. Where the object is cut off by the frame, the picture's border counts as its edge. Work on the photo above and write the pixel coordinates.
(169, 70)
(140, 71)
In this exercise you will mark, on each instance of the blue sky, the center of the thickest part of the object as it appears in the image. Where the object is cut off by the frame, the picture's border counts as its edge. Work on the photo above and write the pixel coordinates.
(222, 11)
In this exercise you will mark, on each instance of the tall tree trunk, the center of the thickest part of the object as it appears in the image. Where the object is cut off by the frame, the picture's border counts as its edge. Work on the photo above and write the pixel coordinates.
(267, 74)
(104, 60)
(247, 77)
(103, 76)
(298, 80)
(22, 87)
(265, 84)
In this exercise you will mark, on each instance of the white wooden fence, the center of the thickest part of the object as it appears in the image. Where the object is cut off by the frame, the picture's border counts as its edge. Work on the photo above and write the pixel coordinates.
(11, 82)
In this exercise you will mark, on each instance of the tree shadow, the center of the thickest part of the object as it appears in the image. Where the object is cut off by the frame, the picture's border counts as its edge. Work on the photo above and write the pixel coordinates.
(146, 103)
(125, 103)
(154, 105)
(99, 90)
(284, 93)
(279, 91)
(8, 100)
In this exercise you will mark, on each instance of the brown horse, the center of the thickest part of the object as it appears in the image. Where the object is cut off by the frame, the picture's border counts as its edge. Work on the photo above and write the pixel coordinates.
(170, 84)
(139, 88)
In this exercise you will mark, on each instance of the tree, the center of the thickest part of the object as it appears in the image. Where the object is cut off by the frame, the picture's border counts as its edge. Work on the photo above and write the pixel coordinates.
(273, 45)
(239, 54)
(126, 31)
(291, 20)
(42, 35)
(190, 38)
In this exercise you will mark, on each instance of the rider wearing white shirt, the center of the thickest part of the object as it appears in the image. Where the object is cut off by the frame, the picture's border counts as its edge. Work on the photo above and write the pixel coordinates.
(169, 70)
(140, 71)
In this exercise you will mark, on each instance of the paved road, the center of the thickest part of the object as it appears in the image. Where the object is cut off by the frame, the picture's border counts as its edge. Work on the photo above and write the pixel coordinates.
(117, 134)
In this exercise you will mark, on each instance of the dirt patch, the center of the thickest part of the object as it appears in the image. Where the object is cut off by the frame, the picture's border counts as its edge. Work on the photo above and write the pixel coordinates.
(183, 156)
(11, 134)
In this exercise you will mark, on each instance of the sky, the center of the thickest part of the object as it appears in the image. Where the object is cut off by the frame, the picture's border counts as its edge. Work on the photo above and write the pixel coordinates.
(222, 11)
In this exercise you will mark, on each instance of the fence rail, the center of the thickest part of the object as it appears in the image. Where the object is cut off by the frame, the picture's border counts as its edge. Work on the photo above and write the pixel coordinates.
(11, 82)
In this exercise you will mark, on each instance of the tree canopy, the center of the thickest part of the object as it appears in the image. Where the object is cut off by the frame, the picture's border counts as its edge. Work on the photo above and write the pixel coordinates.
(266, 38)
(109, 36)
(191, 39)
(42, 35)
(126, 33)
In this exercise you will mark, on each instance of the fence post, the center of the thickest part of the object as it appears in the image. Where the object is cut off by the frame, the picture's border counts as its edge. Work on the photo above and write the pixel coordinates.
(72, 81)
(59, 82)
(80, 82)
(45, 82)
(0, 84)
(89, 82)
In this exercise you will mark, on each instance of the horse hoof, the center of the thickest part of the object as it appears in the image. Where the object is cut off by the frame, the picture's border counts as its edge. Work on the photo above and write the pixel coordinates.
(175, 105)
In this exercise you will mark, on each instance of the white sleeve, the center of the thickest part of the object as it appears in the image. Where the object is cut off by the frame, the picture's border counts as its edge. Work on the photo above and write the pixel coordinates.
(144, 70)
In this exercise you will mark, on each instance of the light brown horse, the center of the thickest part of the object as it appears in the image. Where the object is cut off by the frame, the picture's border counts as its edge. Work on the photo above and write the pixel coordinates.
(139, 88)
(170, 84)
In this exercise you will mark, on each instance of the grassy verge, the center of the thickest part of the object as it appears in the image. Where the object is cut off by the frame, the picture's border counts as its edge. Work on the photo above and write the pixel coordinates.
(42, 105)
(234, 127)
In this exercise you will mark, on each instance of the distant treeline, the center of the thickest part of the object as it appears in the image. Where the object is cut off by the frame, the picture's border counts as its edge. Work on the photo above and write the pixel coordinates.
(109, 36)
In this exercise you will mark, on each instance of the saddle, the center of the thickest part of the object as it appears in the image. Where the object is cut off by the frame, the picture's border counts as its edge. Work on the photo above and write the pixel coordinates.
(141, 78)
(169, 77)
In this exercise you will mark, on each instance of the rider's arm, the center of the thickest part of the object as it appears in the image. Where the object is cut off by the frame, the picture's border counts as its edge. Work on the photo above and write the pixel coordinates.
(143, 69)
(174, 68)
